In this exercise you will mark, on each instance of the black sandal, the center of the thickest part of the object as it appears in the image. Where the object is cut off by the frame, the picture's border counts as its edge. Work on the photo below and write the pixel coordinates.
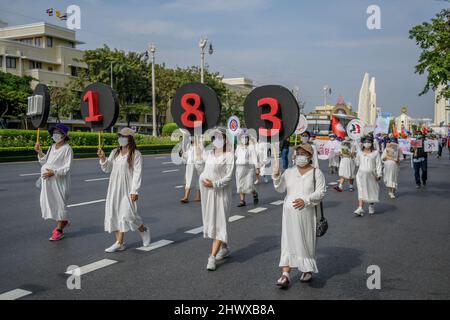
(283, 282)
(306, 277)
(241, 204)
(255, 199)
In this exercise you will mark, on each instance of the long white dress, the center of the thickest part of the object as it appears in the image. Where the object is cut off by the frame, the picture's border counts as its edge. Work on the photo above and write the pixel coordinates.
(333, 160)
(55, 191)
(263, 158)
(120, 212)
(315, 157)
(216, 201)
(191, 175)
(347, 166)
(369, 169)
(298, 233)
(246, 164)
(391, 168)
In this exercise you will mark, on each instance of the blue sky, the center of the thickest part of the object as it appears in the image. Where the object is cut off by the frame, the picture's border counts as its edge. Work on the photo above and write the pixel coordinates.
(293, 43)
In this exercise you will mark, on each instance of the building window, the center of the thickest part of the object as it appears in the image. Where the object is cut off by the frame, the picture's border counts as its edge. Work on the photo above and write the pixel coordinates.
(49, 42)
(71, 44)
(50, 68)
(11, 62)
(1, 61)
(73, 71)
(35, 65)
(27, 41)
(37, 42)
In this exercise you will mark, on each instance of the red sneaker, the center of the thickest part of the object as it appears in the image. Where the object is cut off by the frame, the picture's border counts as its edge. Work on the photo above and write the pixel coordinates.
(338, 189)
(56, 235)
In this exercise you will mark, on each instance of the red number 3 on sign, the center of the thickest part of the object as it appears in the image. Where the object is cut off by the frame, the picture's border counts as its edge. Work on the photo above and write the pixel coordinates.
(191, 102)
(270, 116)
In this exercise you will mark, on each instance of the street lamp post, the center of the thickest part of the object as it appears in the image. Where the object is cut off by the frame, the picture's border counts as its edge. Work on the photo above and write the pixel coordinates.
(326, 91)
(202, 46)
(152, 50)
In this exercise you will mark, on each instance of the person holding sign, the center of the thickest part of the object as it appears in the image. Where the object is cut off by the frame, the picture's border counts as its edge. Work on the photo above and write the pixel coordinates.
(191, 175)
(55, 179)
(369, 173)
(333, 159)
(125, 165)
(420, 160)
(347, 164)
(305, 188)
(391, 159)
(216, 167)
(247, 169)
(306, 138)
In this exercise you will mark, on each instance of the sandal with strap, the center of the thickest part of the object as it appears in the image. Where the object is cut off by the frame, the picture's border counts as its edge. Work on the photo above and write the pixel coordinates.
(283, 282)
(306, 277)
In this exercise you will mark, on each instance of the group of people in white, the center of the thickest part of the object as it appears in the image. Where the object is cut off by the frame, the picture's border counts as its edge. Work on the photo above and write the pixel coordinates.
(209, 171)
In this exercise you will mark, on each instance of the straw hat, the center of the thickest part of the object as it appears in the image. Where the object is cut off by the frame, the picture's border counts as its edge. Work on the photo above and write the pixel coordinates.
(306, 147)
(127, 132)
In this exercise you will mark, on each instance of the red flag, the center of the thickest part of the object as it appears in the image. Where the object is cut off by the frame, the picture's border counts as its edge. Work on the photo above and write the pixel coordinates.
(395, 132)
(337, 127)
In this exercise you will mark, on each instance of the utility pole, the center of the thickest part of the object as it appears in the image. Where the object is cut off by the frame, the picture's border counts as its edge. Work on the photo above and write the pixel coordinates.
(202, 46)
(152, 50)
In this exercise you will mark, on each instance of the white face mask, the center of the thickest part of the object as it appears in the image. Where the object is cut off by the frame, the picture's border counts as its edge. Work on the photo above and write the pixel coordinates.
(301, 161)
(123, 141)
(218, 142)
(367, 145)
(305, 139)
(57, 137)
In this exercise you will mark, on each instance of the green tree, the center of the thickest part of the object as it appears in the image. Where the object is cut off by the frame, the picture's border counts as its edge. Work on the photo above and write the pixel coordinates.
(14, 91)
(434, 40)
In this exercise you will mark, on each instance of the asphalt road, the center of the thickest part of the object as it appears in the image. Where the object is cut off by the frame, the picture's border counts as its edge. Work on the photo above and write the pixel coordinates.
(408, 238)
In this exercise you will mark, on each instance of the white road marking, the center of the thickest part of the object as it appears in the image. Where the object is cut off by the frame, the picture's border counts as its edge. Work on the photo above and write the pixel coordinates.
(332, 183)
(235, 218)
(179, 187)
(14, 294)
(257, 210)
(195, 230)
(85, 203)
(277, 203)
(98, 179)
(156, 245)
(29, 174)
(161, 157)
(173, 170)
(168, 162)
(94, 266)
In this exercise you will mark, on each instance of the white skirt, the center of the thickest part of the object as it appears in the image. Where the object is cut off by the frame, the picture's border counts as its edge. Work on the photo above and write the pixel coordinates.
(347, 168)
(191, 177)
(245, 178)
(390, 174)
(368, 188)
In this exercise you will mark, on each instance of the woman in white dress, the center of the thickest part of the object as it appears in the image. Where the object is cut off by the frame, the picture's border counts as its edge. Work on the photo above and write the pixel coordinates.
(347, 166)
(369, 173)
(305, 187)
(191, 175)
(263, 149)
(391, 159)
(307, 138)
(247, 169)
(55, 179)
(333, 158)
(125, 165)
(216, 171)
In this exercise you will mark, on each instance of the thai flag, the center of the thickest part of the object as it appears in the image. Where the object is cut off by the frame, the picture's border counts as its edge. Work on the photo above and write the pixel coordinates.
(63, 17)
(49, 12)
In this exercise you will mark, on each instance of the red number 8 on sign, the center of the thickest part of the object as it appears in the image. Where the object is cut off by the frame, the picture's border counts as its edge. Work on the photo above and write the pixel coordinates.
(191, 103)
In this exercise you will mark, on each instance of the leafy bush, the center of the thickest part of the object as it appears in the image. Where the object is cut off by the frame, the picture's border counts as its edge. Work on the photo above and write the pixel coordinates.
(27, 138)
(169, 128)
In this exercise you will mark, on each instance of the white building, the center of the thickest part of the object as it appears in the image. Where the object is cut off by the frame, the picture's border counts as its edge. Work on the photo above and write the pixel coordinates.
(441, 109)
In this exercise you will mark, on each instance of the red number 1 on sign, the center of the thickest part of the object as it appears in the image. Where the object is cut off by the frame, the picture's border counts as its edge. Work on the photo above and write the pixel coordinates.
(270, 116)
(91, 97)
(191, 103)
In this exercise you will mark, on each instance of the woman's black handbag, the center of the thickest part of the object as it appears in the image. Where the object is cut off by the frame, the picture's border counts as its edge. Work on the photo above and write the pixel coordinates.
(322, 223)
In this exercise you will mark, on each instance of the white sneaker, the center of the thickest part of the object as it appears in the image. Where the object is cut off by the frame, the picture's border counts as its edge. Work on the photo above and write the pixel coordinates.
(223, 253)
(145, 237)
(211, 266)
(391, 195)
(371, 209)
(115, 247)
(359, 212)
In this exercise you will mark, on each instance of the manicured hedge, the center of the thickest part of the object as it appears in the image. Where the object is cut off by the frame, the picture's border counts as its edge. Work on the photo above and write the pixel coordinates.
(10, 154)
(27, 138)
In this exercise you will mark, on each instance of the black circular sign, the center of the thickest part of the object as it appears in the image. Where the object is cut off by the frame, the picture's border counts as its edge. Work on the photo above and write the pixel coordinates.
(40, 120)
(195, 104)
(99, 106)
(271, 107)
